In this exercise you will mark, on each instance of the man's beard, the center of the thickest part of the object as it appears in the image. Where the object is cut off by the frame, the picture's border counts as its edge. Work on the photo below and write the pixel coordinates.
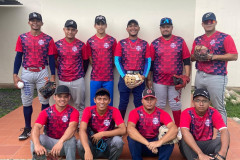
(167, 35)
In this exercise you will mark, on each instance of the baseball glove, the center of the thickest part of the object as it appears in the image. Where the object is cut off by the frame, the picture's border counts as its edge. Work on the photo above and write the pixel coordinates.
(180, 81)
(202, 53)
(48, 89)
(162, 131)
(133, 80)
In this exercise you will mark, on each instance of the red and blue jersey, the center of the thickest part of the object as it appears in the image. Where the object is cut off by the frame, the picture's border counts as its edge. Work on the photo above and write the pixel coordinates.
(167, 57)
(132, 56)
(219, 44)
(99, 123)
(70, 58)
(35, 49)
(57, 122)
(148, 124)
(102, 52)
(201, 127)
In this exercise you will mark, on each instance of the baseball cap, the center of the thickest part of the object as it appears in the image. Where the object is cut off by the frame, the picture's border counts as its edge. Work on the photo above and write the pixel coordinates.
(102, 91)
(201, 92)
(148, 93)
(166, 20)
(208, 16)
(62, 89)
(35, 15)
(132, 21)
(99, 19)
(71, 23)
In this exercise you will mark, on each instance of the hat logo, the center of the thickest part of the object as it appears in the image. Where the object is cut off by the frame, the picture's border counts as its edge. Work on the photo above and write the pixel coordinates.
(149, 91)
(64, 118)
(40, 42)
(173, 45)
(155, 120)
(34, 15)
(106, 45)
(100, 17)
(74, 48)
(212, 42)
(106, 122)
(71, 22)
(209, 14)
(138, 48)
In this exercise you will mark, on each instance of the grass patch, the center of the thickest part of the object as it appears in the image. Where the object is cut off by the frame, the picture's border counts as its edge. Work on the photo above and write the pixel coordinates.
(233, 110)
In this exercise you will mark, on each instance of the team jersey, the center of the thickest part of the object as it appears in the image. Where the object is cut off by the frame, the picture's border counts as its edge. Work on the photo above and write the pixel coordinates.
(35, 49)
(57, 122)
(99, 123)
(132, 55)
(102, 52)
(218, 44)
(148, 124)
(201, 127)
(168, 56)
(70, 58)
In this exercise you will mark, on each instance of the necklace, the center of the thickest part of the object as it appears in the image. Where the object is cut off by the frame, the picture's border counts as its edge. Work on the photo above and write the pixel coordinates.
(131, 45)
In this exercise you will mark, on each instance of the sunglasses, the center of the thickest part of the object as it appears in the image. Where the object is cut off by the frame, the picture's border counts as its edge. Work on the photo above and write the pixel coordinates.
(209, 21)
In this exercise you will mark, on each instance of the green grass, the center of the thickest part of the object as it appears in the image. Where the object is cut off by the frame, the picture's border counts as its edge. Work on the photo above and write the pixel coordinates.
(233, 110)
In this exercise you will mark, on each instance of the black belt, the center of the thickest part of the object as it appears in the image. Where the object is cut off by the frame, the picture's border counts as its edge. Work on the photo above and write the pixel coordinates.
(134, 72)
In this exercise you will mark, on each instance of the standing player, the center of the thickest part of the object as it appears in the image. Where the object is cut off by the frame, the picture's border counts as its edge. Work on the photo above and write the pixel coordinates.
(72, 64)
(212, 74)
(143, 129)
(169, 56)
(100, 49)
(98, 125)
(132, 56)
(34, 50)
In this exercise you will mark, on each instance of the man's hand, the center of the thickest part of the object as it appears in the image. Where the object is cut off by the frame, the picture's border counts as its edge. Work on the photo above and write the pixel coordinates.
(154, 144)
(16, 79)
(88, 155)
(96, 137)
(203, 156)
(40, 150)
(57, 149)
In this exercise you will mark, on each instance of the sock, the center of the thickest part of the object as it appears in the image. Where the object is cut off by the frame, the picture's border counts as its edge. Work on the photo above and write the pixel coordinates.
(176, 116)
(123, 112)
(27, 111)
(44, 106)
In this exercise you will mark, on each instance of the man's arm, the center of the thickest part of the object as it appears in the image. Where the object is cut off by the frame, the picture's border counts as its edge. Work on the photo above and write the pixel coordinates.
(225, 57)
(66, 136)
(188, 138)
(135, 135)
(149, 80)
(38, 148)
(90, 60)
(84, 140)
(225, 140)
(187, 70)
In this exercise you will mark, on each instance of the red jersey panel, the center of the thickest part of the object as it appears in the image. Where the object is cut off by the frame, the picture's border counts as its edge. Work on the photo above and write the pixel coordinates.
(201, 127)
(133, 54)
(102, 52)
(148, 124)
(70, 58)
(218, 44)
(168, 56)
(35, 49)
(57, 122)
(99, 123)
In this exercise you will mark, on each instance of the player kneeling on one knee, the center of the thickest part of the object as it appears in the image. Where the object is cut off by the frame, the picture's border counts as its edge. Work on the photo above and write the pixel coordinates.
(197, 125)
(98, 135)
(143, 129)
(60, 122)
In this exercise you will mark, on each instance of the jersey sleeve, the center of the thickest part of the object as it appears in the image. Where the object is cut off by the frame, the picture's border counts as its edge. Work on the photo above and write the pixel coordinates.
(51, 47)
(84, 52)
(114, 45)
(193, 47)
(88, 50)
(74, 117)
(218, 122)
(118, 50)
(133, 116)
(117, 117)
(185, 120)
(86, 115)
(42, 118)
(165, 118)
(148, 55)
(18, 45)
(185, 51)
(152, 52)
(229, 45)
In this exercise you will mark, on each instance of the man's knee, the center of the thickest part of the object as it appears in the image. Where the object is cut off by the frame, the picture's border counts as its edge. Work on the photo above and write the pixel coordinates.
(70, 143)
(117, 142)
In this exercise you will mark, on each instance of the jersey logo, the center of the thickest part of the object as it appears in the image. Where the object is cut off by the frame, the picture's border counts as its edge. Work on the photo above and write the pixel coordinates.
(141, 114)
(106, 122)
(155, 120)
(138, 48)
(64, 118)
(212, 42)
(93, 115)
(59, 44)
(106, 45)
(40, 42)
(173, 45)
(207, 122)
(74, 48)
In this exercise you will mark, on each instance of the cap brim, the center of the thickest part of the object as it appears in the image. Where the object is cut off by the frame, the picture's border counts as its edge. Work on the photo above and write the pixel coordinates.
(149, 96)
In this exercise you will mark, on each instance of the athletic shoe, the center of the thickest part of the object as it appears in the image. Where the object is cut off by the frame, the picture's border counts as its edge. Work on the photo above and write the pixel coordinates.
(26, 133)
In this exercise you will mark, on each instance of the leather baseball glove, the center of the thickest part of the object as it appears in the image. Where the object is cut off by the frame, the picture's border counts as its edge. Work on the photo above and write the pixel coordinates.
(133, 80)
(202, 53)
(162, 131)
(180, 81)
(48, 89)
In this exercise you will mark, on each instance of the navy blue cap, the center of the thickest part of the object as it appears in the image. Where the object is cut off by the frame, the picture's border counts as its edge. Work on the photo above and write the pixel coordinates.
(35, 15)
(165, 21)
(208, 16)
(132, 21)
(62, 89)
(99, 19)
(201, 92)
(71, 23)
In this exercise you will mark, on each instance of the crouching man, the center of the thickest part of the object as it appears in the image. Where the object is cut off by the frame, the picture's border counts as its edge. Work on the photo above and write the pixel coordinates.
(60, 122)
(143, 129)
(98, 135)
(197, 125)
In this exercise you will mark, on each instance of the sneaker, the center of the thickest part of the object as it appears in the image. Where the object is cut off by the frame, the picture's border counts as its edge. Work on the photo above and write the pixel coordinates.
(26, 133)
